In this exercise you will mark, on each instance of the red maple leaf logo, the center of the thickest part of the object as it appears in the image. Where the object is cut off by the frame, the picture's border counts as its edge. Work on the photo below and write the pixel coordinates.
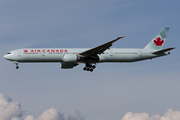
(25, 51)
(158, 41)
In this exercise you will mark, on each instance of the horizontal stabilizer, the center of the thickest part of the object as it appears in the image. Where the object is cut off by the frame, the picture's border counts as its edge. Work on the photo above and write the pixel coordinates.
(162, 51)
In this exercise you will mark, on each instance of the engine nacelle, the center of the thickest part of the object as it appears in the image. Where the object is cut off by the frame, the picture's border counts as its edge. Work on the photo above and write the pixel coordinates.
(68, 65)
(69, 58)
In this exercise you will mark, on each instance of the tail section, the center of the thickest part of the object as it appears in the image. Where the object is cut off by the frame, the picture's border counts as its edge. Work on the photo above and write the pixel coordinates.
(158, 41)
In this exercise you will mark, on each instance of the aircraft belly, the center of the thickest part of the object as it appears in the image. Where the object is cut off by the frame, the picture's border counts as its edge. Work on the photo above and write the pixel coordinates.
(41, 58)
(119, 58)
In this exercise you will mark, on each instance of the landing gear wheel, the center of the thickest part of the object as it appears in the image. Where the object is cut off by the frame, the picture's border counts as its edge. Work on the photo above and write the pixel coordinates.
(91, 70)
(17, 67)
(89, 67)
(84, 68)
(16, 63)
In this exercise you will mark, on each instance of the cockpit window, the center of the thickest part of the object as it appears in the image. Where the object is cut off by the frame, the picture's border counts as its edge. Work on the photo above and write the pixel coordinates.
(8, 53)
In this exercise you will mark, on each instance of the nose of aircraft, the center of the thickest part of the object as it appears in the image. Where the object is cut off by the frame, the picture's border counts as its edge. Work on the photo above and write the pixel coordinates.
(6, 56)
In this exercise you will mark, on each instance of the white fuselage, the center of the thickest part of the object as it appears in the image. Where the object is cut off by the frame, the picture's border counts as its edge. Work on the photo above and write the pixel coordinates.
(57, 54)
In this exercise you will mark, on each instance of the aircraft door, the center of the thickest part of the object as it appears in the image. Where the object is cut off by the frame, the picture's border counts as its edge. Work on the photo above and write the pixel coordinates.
(43, 53)
(140, 53)
(110, 53)
(19, 53)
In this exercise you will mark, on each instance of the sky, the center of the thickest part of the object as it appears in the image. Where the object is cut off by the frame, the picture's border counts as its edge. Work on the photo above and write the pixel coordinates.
(146, 90)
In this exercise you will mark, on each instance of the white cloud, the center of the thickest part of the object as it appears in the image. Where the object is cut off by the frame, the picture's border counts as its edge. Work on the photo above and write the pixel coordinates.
(53, 114)
(10, 110)
(169, 115)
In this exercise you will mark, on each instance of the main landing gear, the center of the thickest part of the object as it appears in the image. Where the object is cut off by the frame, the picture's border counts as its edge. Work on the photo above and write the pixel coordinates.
(89, 67)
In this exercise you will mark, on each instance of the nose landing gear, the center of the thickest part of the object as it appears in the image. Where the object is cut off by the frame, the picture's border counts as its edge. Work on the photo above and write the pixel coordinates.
(89, 67)
(16, 63)
(17, 67)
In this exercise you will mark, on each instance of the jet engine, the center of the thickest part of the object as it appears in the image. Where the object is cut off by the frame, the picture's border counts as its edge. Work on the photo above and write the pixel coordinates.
(68, 65)
(69, 58)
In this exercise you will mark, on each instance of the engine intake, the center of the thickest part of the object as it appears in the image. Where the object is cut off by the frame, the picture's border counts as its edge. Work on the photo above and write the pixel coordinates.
(69, 58)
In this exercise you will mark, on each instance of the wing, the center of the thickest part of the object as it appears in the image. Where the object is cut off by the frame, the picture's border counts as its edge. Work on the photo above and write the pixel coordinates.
(99, 49)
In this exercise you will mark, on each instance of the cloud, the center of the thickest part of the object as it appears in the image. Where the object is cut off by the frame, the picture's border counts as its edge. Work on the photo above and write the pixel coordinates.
(10, 110)
(169, 115)
(53, 114)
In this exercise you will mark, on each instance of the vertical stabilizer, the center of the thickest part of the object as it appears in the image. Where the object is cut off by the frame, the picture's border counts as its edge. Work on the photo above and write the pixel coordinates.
(158, 41)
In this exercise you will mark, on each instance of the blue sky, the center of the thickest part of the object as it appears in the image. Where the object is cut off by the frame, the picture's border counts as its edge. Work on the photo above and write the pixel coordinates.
(113, 89)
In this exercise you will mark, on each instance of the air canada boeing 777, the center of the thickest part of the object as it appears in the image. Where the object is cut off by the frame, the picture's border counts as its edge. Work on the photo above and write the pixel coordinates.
(71, 57)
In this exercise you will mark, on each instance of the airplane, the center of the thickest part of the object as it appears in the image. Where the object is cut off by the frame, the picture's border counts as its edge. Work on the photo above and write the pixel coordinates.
(71, 57)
